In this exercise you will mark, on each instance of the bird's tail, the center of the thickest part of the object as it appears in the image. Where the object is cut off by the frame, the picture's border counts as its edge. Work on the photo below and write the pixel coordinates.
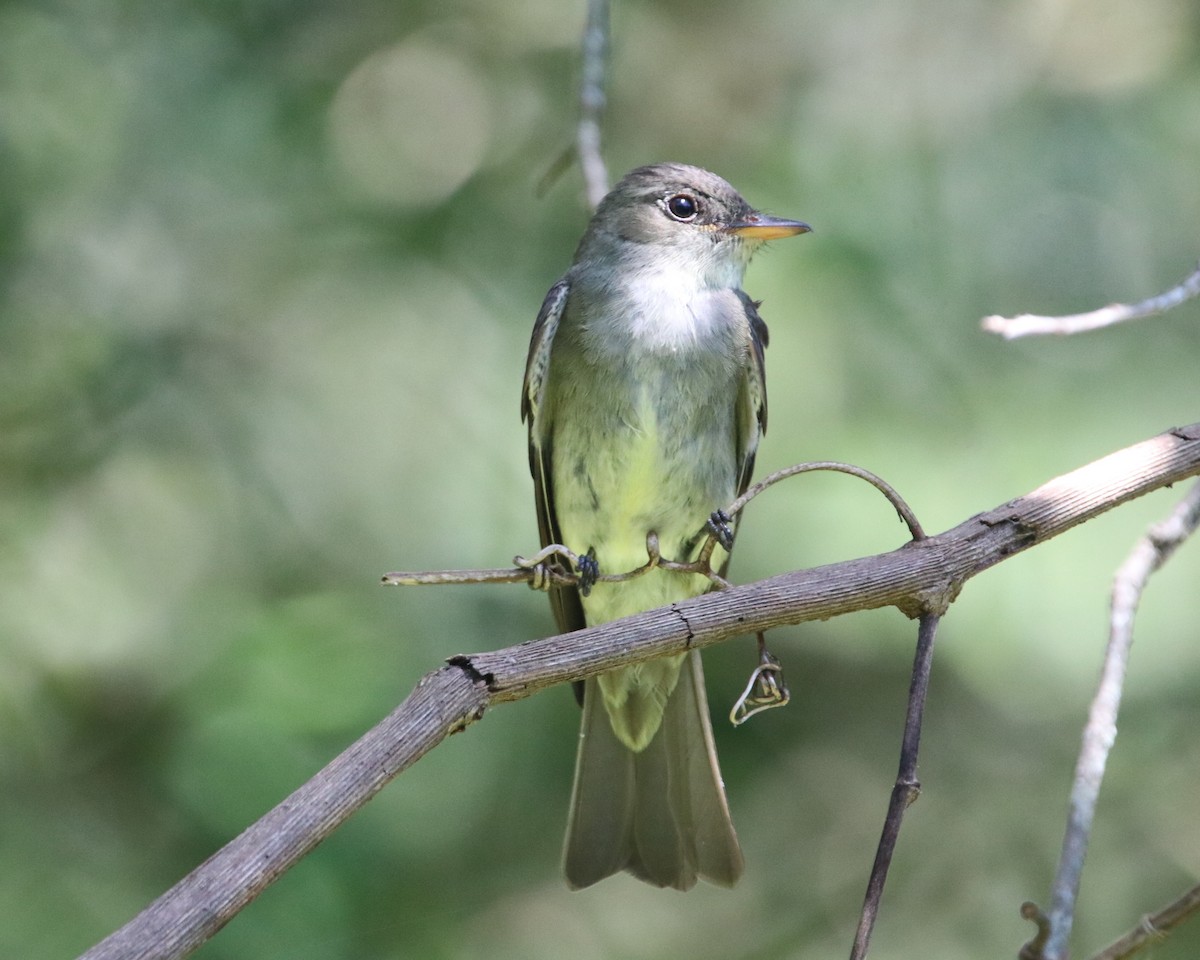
(660, 813)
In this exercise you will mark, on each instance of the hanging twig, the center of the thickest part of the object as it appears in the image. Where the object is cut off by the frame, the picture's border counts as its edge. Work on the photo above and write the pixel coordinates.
(907, 787)
(1030, 324)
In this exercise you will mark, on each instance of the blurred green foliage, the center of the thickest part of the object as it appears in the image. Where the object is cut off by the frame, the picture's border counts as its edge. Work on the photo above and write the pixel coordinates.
(268, 273)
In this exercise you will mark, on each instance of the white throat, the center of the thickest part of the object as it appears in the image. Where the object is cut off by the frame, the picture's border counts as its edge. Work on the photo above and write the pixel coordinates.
(671, 306)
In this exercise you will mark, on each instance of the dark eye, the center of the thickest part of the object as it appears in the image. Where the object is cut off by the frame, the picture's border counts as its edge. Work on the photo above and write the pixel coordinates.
(682, 207)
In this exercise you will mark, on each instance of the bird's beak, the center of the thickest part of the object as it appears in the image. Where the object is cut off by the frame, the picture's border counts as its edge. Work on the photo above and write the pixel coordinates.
(758, 226)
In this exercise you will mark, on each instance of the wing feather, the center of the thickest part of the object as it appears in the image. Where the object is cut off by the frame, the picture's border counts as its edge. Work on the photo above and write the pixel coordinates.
(564, 601)
(752, 402)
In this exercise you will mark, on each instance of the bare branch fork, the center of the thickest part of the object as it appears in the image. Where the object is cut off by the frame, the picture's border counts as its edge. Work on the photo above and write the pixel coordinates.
(919, 578)
(1054, 931)
(1052, 940)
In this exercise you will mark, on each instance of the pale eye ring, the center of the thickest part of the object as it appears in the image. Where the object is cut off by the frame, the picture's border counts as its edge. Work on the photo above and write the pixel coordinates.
(683, 207)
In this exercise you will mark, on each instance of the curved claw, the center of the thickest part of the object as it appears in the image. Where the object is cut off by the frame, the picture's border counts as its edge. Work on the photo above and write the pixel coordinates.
(589, 570)
(720, 526)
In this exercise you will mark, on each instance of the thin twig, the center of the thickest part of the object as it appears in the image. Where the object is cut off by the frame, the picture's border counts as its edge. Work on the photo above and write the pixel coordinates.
(1153, 927)
(426, 578)
(592, 101)
(539, 574)
(1031, 324)
(916, 576)
(1150, 553)
(901, 506)
(907, 787)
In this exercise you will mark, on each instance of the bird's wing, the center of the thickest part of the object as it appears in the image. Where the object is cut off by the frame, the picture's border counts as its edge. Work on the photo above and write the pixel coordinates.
(752, 398)
(568, 610)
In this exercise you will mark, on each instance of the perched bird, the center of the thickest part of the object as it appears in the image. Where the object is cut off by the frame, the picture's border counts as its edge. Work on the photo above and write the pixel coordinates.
(645, 400)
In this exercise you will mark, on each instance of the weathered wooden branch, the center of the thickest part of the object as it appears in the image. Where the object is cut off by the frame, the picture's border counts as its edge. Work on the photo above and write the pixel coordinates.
(919, 578)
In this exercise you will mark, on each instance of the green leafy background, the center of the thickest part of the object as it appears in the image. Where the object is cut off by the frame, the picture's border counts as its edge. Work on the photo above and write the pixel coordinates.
(268, 273)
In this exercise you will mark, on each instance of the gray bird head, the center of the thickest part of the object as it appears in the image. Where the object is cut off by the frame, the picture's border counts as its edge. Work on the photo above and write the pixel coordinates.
(685, 214)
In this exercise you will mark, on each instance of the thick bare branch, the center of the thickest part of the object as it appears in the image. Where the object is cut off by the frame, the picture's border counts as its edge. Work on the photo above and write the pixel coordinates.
(188, 914)
(919, 578)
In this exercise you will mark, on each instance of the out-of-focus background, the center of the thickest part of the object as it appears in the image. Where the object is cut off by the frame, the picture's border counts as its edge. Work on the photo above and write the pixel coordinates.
(268, 275)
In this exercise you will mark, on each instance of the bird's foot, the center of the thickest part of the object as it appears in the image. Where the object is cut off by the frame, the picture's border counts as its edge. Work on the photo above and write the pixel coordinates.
(589, 570)
(720, 525)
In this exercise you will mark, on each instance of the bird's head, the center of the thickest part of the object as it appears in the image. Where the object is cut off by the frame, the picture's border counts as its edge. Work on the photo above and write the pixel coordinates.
(687, 214)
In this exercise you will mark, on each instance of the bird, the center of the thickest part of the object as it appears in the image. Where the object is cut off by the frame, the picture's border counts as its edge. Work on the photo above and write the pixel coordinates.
(645, 398)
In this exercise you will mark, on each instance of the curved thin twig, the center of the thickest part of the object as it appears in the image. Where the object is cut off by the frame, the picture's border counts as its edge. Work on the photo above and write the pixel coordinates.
(898, 502)
(1034, 914)
(765, 690)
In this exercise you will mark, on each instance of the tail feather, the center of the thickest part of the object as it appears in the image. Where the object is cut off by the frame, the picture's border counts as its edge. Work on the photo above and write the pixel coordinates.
(661, 813)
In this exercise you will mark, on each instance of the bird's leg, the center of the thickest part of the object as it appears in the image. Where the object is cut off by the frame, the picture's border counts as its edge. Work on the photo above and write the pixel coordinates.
(589, 570)
(720, 526)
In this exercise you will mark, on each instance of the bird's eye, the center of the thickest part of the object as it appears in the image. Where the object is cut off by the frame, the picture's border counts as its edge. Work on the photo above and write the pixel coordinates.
(682, 207)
